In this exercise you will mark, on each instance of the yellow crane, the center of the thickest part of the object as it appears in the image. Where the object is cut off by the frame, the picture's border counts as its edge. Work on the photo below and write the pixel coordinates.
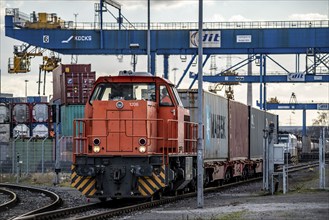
(21, 62)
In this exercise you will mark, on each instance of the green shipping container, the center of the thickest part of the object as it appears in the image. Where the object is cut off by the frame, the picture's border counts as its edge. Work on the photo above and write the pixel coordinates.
(68, 114)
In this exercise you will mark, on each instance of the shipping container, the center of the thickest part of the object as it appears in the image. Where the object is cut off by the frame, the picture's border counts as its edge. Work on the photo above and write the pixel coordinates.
(215, 119)
(68, 114)
(40, 112)
(40, 130)
(18, 100)
(22, 130)
(73, 83)
(5, 100)
(256, 127)
(5, 113)
(21, 113)
(238, 131)
(37, 99)
(4, 133)
(88, 80)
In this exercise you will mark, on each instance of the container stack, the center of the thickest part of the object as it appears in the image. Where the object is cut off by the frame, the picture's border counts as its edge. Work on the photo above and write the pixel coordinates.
(5, 120)
(21, 117)
(72, 86)
(40, 120)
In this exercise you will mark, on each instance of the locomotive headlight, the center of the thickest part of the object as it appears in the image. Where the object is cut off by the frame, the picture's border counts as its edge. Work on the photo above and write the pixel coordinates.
(96, 149)
(142, 141)
(96, 141)
(142, 149)
(119, 105)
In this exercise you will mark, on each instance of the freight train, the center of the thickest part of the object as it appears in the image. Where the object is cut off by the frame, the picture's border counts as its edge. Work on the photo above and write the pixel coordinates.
(138, 139)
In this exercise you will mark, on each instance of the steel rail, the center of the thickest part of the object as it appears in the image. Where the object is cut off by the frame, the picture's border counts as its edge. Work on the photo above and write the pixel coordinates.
(11, 203)
(57, 201)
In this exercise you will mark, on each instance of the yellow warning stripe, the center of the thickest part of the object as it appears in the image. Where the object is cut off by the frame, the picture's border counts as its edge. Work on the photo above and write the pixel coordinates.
(150, 191)
(92, 192)
(73, 175)
(88, 187)
(76, 181)
(142, 191)
(162, 175)
(84, 182)
(79, 182)
(152, 183)
(158, 180)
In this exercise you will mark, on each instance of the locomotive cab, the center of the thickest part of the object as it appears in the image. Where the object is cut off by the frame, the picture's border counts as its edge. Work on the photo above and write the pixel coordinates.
(134, 123)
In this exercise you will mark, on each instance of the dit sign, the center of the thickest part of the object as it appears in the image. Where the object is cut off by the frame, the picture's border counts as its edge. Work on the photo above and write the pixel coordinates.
(209, 39)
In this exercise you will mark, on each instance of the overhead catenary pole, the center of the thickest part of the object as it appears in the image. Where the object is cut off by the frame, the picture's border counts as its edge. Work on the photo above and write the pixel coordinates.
(148, 37)
(322, 145)
(200, 199)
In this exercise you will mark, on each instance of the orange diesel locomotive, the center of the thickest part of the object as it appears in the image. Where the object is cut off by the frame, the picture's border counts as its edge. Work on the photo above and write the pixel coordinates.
(135, 140)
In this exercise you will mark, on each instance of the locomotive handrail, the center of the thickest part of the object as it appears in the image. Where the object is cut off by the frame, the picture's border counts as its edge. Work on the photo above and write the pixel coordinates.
(192, 131)
(168, 144)
(84, 138)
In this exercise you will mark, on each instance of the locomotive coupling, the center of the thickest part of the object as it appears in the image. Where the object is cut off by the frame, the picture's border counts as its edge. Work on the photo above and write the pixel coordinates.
(139, 170)
(85, 170)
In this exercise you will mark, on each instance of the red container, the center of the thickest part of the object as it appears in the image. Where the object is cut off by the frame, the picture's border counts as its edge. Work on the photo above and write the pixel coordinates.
(73, 83)
(238, 130)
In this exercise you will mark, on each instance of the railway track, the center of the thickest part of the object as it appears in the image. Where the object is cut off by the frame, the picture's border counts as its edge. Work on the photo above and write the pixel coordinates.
(112, 208)
(297, 167)
(29, 201)
(12, 199)
(108, 209)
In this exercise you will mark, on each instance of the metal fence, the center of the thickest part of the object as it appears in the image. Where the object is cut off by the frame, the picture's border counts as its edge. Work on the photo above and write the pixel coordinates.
(30, 155)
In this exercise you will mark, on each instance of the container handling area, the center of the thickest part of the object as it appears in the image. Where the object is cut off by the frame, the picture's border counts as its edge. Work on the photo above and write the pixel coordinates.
(116, 133)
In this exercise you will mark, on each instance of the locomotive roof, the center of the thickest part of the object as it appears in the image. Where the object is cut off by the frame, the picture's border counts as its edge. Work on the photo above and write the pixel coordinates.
(133, 78)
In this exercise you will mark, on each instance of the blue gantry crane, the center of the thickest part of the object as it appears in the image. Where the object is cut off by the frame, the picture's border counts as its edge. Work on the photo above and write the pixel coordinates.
(258, 40)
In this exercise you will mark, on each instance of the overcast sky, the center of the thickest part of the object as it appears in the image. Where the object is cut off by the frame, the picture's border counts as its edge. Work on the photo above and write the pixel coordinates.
(176, 11)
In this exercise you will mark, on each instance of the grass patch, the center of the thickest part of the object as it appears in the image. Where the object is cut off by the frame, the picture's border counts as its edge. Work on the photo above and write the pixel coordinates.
(46, 179)
(232, 215)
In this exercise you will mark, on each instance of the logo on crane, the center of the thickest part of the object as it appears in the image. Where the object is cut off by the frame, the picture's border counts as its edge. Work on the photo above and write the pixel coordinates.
(209, 39)
(77, 38)
(296, 77)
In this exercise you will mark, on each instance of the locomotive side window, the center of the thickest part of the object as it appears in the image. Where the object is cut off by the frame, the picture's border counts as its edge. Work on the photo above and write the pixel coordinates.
(165, 99)
(124, 91)
(177, 97)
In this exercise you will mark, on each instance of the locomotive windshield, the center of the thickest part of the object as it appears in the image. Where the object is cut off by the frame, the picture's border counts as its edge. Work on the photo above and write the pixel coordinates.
(124, 91)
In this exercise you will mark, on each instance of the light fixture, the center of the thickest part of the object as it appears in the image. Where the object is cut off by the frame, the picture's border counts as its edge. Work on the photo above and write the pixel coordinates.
(97, 149)
(142, 149)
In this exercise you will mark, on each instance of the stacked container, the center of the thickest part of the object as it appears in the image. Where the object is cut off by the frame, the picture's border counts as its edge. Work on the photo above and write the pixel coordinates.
(21, 119)
(73, 83)
(40, 120)
(72, 86)
(5, 120)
